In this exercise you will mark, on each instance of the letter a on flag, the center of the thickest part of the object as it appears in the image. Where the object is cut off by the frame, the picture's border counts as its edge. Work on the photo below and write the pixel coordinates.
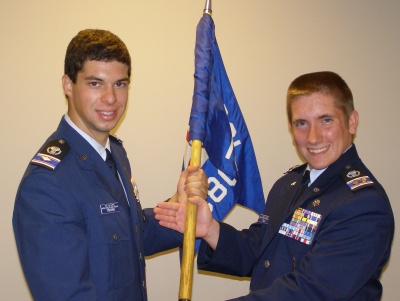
(228, 156)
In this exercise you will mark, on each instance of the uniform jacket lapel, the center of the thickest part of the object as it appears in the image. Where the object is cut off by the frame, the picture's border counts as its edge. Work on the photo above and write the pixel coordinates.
(281, 211)
(124, 172)
(135, 209)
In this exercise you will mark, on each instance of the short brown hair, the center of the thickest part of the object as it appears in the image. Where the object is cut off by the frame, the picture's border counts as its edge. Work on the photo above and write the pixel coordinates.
(94, 45)
(325, 82)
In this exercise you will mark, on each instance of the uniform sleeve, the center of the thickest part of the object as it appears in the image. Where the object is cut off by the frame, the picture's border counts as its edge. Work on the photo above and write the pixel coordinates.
(52, 241)
(349, 252)
(235, 253)
(156, 237)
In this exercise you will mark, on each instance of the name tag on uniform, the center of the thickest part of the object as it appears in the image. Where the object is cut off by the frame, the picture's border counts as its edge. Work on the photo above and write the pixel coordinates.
(109, 208)
(302, 226)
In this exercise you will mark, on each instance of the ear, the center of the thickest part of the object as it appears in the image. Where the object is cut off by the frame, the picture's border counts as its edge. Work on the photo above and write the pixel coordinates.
(67, 85)
(353, 122)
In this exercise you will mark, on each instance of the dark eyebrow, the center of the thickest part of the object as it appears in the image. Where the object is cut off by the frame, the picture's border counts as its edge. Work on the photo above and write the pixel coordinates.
(101, 80)
(93, 78)
(126, 79)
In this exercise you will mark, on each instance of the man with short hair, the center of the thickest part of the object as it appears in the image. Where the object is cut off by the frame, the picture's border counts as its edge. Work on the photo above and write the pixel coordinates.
(80, 230)
(327, 227)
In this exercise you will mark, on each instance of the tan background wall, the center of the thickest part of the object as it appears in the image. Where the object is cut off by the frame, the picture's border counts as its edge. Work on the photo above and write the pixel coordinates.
(264, 44)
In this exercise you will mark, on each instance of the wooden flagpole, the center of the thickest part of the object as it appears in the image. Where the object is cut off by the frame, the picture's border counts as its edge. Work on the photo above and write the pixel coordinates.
(185, 288)
(189, 237)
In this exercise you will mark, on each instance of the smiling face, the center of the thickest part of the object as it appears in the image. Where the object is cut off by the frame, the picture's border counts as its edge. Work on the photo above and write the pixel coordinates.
(320, 129)
(98, 99)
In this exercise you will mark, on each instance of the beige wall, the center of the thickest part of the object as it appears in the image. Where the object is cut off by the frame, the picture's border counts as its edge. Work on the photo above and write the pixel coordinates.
(265, 44)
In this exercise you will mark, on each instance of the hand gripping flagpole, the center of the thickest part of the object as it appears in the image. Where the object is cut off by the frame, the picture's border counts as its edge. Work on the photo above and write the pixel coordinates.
(186, 280)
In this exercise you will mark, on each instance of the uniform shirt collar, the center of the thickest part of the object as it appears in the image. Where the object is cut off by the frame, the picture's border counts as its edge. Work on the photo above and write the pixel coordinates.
(315, 173)
(97, 146)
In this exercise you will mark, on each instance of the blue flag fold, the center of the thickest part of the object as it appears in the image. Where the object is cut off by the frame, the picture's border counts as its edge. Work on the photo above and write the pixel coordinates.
(228, 156)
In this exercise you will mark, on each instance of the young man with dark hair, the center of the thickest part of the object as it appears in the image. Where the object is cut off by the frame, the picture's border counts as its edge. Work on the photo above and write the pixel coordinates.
(80, 230)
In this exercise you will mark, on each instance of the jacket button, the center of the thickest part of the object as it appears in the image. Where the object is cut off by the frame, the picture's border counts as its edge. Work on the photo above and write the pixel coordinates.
(266, 264)
(115, 236)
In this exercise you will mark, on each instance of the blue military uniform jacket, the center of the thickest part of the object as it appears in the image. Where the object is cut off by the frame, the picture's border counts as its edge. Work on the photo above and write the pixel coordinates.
(76, 234)
(332, 244)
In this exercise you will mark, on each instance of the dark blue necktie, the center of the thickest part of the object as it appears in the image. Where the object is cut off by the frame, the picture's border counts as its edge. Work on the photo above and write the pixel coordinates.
(304, 184)
(111, 164)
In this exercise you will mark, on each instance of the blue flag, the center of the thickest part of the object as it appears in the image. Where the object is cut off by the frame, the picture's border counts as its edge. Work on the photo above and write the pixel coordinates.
(228, 156)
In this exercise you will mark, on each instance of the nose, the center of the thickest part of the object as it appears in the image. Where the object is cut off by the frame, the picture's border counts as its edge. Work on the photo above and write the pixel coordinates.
(109, 95)
(314, 135)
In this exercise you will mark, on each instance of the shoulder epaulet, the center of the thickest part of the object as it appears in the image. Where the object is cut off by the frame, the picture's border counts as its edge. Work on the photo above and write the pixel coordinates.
(294, 168)
(115, 138)
(355, 177)
(51, 154)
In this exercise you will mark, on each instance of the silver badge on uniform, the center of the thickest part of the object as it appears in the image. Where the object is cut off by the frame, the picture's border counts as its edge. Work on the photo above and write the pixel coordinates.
(54, 150)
